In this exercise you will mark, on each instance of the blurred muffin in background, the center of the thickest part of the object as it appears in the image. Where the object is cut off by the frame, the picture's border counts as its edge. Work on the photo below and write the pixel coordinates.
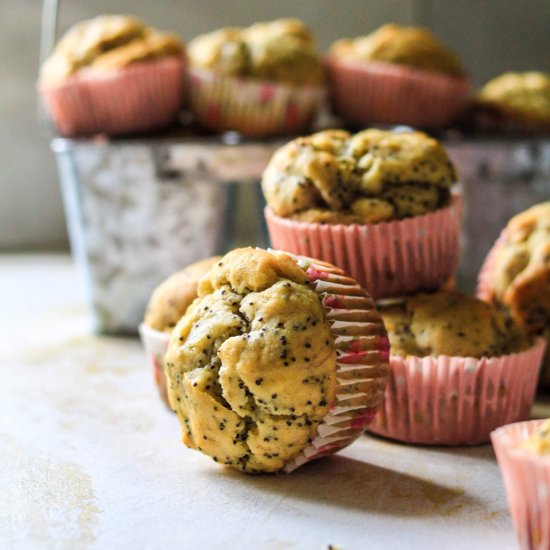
(397, 75)
(515, 103)
(263, 80)
(113, 75)
(167, 304)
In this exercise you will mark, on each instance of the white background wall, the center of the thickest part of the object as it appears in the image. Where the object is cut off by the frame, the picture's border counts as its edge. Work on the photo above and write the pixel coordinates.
(491, 36)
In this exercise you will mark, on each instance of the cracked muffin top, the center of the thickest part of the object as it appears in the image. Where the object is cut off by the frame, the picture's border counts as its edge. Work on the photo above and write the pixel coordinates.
(520, 279)
(411, 46)
(172, 297)
(252, 363)
(525, 95)
(280, 51)
(107, 42)
(369, 177)
(450, 323)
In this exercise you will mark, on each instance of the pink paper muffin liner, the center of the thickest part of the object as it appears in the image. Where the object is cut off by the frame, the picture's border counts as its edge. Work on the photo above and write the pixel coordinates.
(457, 400)
(387, 259)
(365, 92)
(253, 107)
(155, 343)
(139, 97)
(527, 480)
(362, 352)
(484, 292)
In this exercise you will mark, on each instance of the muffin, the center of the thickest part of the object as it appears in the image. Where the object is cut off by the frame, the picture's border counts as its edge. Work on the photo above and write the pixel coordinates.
(523, 454)
(166, 306)
(517, 103)
(113, 75)
(459, 368)
(279, 360)
(377, 203)
(263, 80)
(397, 75)
(516, 274)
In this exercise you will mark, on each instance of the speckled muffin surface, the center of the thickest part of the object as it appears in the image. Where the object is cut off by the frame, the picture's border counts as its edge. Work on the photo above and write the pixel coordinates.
(280, 360)
(253, 353)
(107, 42)
(519, 95)
(450, 323)
(171, 298)
(369, 177)
(280, 51)
(521, 274)
(410, 46)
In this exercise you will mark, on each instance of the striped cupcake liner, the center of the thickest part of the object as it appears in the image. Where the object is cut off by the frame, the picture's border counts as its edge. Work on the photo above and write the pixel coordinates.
(155, 343)
(254, 108)
(457, 400)
(526, 478)
(139, 97)
(389, 258)
(365, 92)
(361, 360)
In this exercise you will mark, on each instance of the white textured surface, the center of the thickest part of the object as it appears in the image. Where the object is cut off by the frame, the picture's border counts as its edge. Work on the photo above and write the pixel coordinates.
(89, 457)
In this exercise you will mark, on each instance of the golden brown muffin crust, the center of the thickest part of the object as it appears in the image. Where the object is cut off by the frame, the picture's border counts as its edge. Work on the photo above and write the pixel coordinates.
(280, 51)
(375, 175)
(450, 323)
(521, 273)
(107, 42)
(411, 46)
(173, 296)
(524, 95)
(252, 365)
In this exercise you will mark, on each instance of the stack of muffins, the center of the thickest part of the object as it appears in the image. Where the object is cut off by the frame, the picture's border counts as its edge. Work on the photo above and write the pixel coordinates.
(380, 205)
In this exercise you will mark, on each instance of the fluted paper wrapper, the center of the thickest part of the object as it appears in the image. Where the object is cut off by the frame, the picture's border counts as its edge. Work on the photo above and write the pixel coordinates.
(388, 259)
(457, 400)
(527, 480)
(155, 343)
(364, 92)
(485, 292)
(361, 362)
(139, 97)
(252, 107)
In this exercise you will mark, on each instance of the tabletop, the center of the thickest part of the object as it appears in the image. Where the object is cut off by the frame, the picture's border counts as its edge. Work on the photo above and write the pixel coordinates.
(90, 457)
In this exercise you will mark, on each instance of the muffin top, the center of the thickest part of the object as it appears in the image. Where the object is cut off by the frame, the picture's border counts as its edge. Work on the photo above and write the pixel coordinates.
(521, 272)
(252, 364)
(521, 94)
(539, 442)
(172, 297)
(449, 323)
(107, 42)
(411, 46)
(369, 177)
(280, 51)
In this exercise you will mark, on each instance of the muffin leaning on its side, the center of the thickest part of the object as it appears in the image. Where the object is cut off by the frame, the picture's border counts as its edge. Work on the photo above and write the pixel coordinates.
(522, 451)
(458, 369)
(263, 80)
(513, 103)
(516, 274)
(113, 75)
(377, 203)
(167, 304)
(397, 75)
(280, 360)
